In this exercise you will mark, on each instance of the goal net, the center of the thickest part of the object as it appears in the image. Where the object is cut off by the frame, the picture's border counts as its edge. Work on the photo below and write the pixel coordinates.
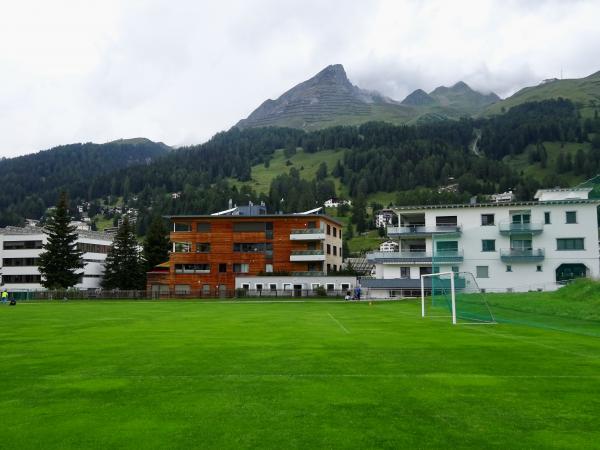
(456, 296)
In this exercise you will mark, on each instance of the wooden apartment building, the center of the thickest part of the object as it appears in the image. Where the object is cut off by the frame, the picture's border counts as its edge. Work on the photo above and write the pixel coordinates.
(209, 251)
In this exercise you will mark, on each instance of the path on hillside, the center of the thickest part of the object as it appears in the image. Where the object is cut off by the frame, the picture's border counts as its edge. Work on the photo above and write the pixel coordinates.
(474, 147)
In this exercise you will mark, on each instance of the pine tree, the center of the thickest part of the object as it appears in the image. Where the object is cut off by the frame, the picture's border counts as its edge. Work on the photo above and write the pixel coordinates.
(123, 269)
(61, 258)
(156, 244)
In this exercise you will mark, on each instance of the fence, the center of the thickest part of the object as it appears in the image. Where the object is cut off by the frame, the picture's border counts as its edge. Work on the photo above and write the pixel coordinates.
(165, 294)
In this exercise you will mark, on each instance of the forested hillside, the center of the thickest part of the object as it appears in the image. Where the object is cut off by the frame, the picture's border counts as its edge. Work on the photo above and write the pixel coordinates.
(411, 163)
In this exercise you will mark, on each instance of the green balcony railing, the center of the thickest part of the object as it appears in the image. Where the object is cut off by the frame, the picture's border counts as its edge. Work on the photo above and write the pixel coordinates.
(513, 254)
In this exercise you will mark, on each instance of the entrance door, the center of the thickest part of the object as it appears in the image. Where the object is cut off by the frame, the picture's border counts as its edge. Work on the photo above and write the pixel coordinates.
(222, 290)
(297, 290)
(568, 272)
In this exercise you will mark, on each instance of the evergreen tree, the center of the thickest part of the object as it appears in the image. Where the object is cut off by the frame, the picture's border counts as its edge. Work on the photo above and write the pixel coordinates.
(359, 215)
(123, 268)
(61, 259)
(156, 244)
(322, 171)
(381, 231)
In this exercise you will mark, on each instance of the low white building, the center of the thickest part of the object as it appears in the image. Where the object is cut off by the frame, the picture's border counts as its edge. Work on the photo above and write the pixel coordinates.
(389, 246)
(515, 246)
(294, 286)
(335, 202)
(20, 249)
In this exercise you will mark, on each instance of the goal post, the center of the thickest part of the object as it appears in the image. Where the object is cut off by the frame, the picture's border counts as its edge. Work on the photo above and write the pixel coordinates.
(452, 293)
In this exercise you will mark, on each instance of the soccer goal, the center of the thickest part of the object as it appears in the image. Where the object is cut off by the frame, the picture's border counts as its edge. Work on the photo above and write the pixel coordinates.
(454, 295)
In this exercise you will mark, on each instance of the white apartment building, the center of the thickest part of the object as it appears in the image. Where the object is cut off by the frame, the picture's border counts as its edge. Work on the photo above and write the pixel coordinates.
(515, 246)
(389, 246)
(20, 249)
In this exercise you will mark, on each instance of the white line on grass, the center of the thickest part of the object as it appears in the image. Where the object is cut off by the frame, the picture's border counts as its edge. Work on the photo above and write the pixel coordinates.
(339, 323)
(307, 375)
(539, 344)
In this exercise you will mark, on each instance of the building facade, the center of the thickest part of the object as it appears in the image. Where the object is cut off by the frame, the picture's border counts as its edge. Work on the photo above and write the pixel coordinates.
(295, 286)
(389, 246)
(517, 246)
(210, 252)
(385, 217)
(20, 249)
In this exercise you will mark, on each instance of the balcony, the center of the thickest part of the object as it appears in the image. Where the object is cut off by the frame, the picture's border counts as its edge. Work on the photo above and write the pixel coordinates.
(307, 234)
(307, 255)
(406, 257)
(521, 255)
(422, 230)
(508, 227)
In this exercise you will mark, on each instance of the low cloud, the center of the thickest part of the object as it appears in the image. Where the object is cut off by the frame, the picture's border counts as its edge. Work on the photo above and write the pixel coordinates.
(178, 73)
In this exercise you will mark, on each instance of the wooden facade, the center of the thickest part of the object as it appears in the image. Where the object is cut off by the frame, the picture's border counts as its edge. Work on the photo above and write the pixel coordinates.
(208, 252)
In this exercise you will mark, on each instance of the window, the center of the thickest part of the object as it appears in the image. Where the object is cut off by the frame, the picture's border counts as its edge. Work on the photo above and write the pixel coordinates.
(340, 234)
(334, 250)
(569, 244)
(446, 221)
(328, 229)
(202, 247)
(314, 286)
(455, 269)
(404, 272)
(571, 216)
(203, 227)
(19, 262)
(245, 286)
(268, 268)
(334, 232)
(192, 268)
(259, 286)
(335, 267)
(538, 268)
(182, 227)
(182, 289)
(252, 247)
(509, 268)
(345, 286)
(92, 248)
(25, 279)
(518, 243)
(487, 220)
(206, 289)
(21, 245)
(273, 286)
(488, 245)
(330, 286)
(547, 217)
(446, 246)
(482, 272)
(328, 249)
(182, 247)
(287, 287)
(328, 267)
(223, 267)
(249, 227)
(241, 268)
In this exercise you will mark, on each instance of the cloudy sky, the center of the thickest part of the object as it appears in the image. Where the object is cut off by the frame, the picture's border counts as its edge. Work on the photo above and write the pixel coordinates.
(178, 71)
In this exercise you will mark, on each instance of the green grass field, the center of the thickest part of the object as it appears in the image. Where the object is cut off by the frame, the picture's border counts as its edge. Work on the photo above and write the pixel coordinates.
(170, 374)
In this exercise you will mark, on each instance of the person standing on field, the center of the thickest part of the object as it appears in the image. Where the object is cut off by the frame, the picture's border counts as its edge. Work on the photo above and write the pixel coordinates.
(4, 296)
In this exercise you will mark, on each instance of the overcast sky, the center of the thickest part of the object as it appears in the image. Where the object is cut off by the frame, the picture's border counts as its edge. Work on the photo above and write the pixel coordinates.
(179, 71)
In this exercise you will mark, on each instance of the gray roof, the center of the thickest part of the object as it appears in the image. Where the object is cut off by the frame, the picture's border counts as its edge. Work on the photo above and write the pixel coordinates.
(496, 205)
(39, 230)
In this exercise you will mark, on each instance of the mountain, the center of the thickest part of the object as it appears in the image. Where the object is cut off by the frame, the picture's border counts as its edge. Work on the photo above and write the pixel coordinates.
(329, 98)
(33, 182)
(584, 92)
(461, 98)
(418, 98)
(326, 99)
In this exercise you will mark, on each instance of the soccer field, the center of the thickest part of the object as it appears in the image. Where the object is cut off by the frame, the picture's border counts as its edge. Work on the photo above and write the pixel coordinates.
(305, 375)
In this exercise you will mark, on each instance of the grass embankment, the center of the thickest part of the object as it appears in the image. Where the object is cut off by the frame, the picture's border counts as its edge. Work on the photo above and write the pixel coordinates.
(221, 375)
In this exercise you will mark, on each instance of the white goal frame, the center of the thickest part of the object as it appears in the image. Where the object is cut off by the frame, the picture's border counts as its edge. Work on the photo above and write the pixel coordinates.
(452, 293)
